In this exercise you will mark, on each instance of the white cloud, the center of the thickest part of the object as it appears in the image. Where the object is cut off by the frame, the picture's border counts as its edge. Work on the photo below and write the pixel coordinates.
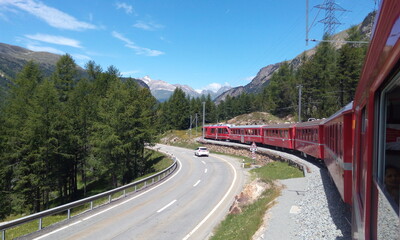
(138, 50)
(128, 8)
(215, 86)
(44, 49)
(59, 40)
(51, 16)
(149, 26)
(129, 73)
(248, 79)
(81, 57)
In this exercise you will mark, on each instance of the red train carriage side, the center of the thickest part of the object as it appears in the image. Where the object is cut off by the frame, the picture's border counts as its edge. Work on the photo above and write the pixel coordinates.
(279, 135)
(309, 138)
(247, 134)
(338, 149)
(218, 132)
(375, 211)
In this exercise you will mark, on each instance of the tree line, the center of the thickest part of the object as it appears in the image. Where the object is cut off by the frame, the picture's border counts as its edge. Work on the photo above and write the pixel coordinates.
(67, 128)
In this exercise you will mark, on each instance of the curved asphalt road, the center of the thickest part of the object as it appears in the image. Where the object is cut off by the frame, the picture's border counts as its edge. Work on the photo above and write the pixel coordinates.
(186, 206)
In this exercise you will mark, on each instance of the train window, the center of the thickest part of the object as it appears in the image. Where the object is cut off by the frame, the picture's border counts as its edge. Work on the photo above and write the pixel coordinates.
(387, 162)
(362, 169)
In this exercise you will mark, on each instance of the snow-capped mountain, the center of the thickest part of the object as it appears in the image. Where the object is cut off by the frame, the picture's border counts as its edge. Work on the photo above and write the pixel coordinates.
(162, 90)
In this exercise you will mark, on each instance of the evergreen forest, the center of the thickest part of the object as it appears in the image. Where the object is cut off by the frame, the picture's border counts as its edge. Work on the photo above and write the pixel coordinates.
(65, 129)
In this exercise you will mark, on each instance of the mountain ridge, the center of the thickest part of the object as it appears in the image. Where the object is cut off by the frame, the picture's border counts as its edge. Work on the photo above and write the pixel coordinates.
(264, 74)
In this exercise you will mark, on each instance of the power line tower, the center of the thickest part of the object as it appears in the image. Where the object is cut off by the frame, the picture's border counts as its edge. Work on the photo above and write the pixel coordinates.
(330, 21)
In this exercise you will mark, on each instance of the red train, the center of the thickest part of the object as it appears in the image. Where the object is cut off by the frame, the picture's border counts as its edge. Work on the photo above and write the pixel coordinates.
(360, 144)
(306, 138)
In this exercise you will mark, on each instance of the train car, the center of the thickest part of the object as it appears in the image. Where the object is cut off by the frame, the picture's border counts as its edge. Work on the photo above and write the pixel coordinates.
(376, 162)
(309, 138)
(247, 134)
(279, 135)
(217, 132)
(338, 149)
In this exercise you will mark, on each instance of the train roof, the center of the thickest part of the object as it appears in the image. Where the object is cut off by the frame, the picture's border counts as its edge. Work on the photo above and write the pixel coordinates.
(282, 125)
(310, 123)
(248, 126)
(219, 125)
(347, 108)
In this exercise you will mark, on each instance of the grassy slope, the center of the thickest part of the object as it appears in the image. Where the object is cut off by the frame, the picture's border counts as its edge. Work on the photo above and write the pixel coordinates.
(244, 225)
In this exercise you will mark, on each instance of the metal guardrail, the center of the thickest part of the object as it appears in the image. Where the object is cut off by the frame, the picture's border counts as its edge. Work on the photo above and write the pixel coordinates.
(67, 207)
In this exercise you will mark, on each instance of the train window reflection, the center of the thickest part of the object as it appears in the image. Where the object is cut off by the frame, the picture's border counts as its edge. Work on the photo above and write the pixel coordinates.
(389, 159)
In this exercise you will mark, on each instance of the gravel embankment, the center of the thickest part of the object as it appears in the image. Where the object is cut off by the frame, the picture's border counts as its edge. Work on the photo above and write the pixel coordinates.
(323, 214)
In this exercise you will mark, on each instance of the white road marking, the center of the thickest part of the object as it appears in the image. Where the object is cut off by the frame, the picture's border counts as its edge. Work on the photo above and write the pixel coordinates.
(196, 183)
(205, 170)
(218, 205)
(119, 204)
(203, 162)
(69, 225)
(169, 204)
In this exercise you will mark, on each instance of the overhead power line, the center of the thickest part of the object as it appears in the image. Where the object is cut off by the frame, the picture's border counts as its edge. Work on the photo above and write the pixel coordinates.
(330, 21)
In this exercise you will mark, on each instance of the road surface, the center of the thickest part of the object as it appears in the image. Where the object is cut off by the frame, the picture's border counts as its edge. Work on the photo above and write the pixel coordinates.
(186, 206)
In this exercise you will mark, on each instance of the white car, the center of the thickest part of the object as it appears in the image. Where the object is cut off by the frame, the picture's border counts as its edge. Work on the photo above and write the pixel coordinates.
(201, 151)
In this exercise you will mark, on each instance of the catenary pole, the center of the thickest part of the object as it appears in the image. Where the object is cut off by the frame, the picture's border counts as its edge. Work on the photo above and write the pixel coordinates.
(204, 110)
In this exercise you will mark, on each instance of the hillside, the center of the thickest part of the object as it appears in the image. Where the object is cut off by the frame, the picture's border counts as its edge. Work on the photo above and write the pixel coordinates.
(13, 59)
(264, 75)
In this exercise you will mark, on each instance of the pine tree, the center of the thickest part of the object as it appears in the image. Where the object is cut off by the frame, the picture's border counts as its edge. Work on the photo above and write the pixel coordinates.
(36, 170)
(317, 76)
(179, 109)
(350, 63)
(15, 140)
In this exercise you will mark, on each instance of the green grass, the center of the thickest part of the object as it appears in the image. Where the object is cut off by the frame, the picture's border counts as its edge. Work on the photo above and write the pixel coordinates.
(277, 170)
(96, 187)
(243, 226)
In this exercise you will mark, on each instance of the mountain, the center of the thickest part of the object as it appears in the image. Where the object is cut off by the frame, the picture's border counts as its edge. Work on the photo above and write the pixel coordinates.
(162, 90)
(264, 75)
(13, 59)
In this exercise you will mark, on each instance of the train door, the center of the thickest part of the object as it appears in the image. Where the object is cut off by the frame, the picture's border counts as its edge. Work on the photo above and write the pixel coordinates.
(360, 181)
(242, 135)
(386, 222)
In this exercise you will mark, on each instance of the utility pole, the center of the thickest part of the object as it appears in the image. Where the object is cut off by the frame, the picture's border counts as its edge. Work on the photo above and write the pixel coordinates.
(196, 124)
(299, 86)
(306, 22)
(190, 127)
(204, 111)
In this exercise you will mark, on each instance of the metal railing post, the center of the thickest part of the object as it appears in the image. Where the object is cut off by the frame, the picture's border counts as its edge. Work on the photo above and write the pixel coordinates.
(3, 235)
(91, 205)
(109, 198)
(124, 193)
(69, 213)
(40, 223)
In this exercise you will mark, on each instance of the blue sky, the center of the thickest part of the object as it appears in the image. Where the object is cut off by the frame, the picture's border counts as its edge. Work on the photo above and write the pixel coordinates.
(200, 43)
